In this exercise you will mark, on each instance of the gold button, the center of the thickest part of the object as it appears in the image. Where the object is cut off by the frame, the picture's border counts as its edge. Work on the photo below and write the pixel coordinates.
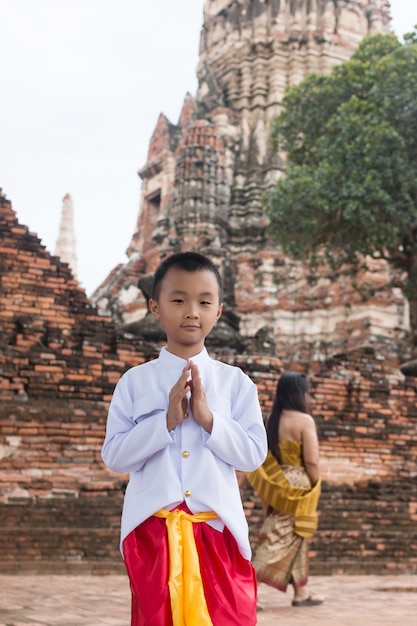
(188, 493)
(185, 454)
(185, 415)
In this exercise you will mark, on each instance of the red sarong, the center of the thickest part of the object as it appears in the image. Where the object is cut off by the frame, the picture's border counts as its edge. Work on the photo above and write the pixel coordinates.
(229, 579)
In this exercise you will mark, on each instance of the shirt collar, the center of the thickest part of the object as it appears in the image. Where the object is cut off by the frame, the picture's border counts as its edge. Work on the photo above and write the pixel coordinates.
(172, 360)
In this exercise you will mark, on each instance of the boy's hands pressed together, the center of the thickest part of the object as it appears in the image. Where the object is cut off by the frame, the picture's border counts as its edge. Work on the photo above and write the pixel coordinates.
(177, 407)
(198, 400)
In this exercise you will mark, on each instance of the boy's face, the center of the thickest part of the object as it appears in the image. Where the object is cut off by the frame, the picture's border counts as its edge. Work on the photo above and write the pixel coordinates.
(188, 307)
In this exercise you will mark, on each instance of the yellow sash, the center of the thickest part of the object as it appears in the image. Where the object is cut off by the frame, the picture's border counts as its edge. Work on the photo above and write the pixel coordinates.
(270, 483)
(188, 603)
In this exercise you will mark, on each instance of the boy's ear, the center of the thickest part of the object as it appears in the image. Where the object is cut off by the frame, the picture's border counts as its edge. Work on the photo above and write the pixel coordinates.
(154, 308)
(219, 311)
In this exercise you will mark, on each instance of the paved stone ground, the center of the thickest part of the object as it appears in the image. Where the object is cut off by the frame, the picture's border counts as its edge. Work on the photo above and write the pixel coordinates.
(80, 600)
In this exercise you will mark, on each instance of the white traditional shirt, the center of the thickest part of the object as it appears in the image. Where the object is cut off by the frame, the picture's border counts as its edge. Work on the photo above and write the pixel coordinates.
(187, 464)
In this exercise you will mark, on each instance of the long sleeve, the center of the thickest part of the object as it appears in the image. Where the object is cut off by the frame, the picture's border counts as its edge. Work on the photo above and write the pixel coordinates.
(187, 464)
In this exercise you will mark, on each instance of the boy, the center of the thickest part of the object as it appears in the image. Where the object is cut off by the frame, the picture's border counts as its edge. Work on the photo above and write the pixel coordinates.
(181, 425)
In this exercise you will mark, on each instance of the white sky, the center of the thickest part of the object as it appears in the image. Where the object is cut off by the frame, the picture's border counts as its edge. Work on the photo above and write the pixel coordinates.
(82, 85)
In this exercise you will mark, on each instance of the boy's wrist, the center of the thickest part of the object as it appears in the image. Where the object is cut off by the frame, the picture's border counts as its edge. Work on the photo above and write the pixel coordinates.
(207, 424)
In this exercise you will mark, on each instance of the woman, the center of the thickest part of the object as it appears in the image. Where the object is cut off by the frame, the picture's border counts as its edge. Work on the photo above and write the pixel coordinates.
(289, 484)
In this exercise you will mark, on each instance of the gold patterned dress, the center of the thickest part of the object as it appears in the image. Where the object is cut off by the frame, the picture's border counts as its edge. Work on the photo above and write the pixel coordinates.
(281, 556)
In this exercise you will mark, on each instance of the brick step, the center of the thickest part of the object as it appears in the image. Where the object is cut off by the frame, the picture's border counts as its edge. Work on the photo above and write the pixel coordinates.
(59, 567)
(361, 567)
(318, 567)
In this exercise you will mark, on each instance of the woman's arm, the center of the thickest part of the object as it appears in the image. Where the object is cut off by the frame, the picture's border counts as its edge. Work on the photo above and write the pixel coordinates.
(311, 450)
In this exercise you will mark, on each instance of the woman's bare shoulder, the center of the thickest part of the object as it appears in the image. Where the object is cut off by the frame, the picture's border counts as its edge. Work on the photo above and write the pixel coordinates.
(294, 424)
(292, 416)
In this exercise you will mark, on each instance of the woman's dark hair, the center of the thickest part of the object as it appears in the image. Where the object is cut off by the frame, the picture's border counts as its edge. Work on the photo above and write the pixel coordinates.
(189, 261)
(290, 394)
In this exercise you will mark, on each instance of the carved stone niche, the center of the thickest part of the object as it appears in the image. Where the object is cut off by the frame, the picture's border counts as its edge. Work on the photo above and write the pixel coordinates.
(147, 327)
(225, 336)
(409, 368)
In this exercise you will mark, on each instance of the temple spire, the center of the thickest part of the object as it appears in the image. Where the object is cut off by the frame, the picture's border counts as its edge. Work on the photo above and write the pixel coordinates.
(65, 245)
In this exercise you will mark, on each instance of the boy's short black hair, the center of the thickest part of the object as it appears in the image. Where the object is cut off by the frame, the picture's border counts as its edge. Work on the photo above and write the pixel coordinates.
(188, 261)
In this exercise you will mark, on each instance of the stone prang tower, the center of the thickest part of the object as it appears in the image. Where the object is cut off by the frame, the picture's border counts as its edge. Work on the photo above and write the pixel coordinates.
(205, 177)
(66, 245)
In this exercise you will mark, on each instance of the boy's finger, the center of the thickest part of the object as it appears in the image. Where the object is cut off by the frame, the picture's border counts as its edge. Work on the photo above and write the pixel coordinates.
(196, 376)
(184, 375)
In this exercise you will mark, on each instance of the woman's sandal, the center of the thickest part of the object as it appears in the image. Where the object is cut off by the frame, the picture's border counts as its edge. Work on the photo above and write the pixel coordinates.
(310, 601)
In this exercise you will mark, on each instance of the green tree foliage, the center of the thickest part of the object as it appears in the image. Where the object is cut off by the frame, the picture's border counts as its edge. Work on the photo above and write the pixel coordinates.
(350, 188)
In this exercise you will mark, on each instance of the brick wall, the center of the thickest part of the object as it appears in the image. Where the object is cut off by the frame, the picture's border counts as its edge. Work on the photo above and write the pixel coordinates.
(59, 362)
(366, 414)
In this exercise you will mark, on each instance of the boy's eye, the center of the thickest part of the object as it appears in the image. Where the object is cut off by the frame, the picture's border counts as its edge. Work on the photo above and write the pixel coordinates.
(178, 300)
(205, 302)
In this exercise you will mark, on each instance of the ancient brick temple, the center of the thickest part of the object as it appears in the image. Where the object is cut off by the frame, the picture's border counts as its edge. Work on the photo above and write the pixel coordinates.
(202, 186)
(204, 180)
